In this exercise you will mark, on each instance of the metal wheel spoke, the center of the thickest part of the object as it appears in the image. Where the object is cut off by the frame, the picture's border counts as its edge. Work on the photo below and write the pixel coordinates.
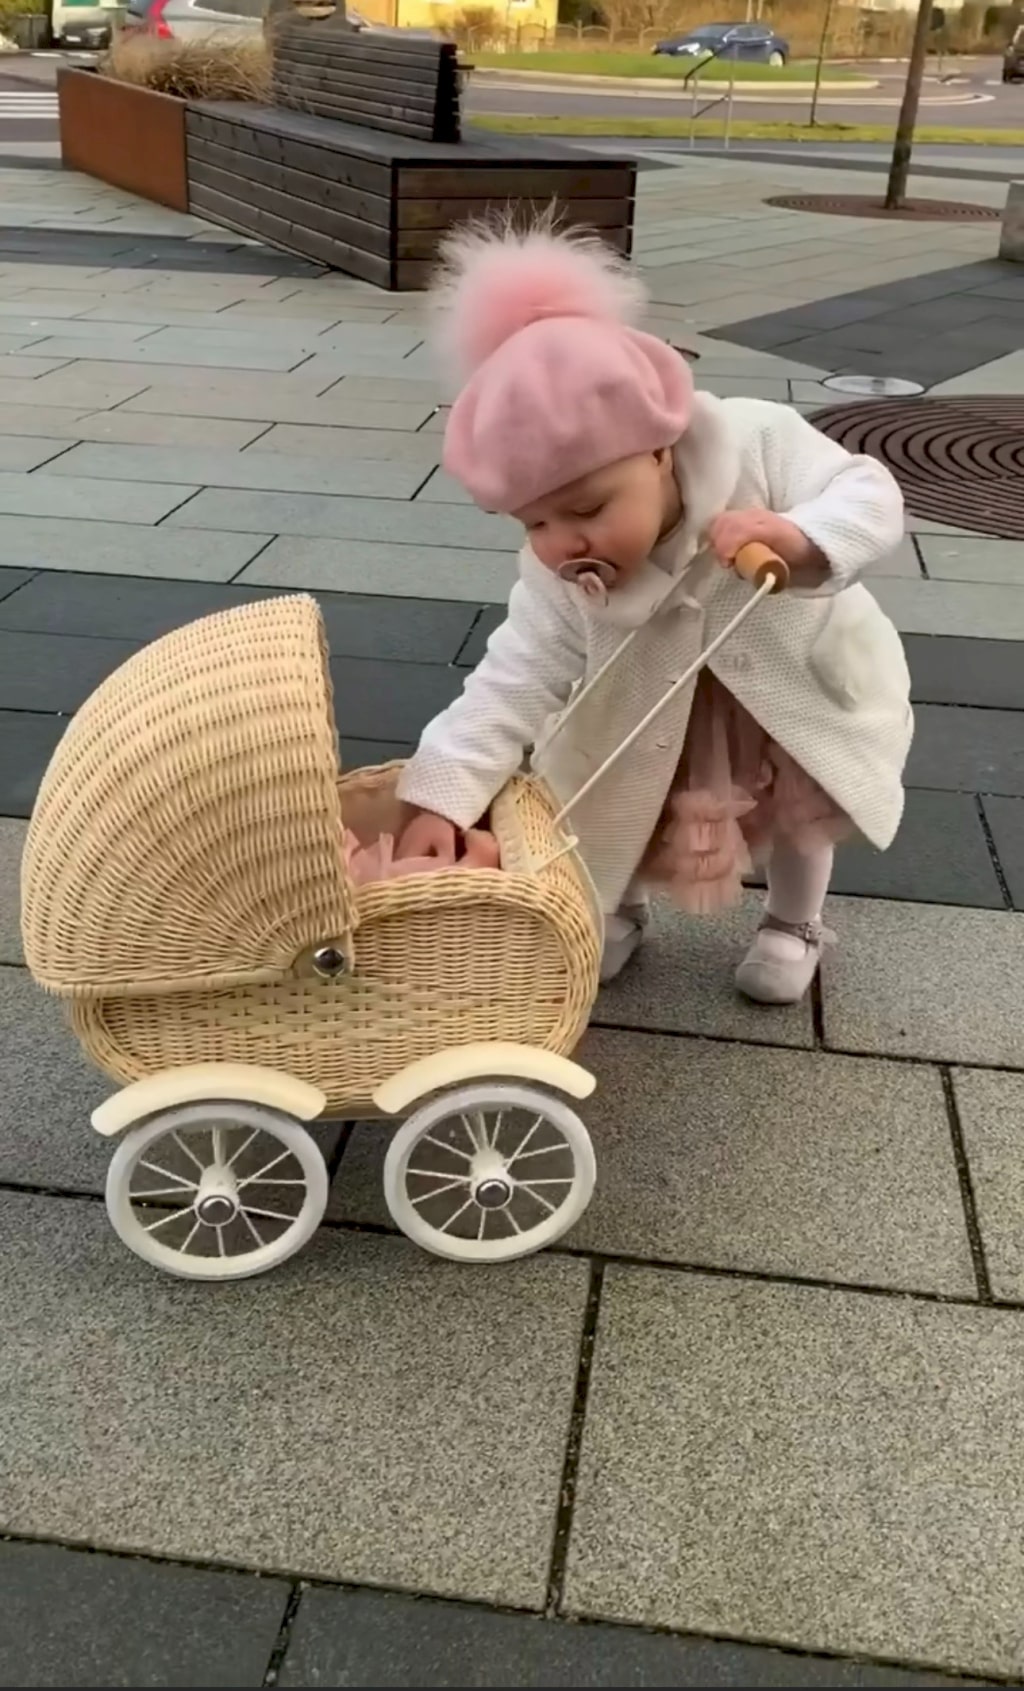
(266, 1167)
(452, 1150)
(550, 1207)
(477, 1144)
(184, 1248)
(481, 1231)
(244, 1146)
(179, 1141)
(508, 1212)
(222, 1249)
(555, 1180)
(544, 1151)
(272, 1215)
(436, 1193)
(492, 1138)
(172, 1215)
(437, 1174)
(452, 1219)
(217, 1136)
(168, 1174)
(254, 1181)
(524, 1142)
(159, 1192)
(253, 1229)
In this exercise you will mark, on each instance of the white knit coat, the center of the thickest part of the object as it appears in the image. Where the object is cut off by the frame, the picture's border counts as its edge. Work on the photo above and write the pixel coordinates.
(822, 670)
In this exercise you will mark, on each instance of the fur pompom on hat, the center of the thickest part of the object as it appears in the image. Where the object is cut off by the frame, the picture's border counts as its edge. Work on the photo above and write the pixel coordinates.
(539, 328)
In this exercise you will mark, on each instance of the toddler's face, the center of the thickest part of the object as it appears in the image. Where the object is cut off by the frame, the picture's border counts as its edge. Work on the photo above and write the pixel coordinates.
(616, 514)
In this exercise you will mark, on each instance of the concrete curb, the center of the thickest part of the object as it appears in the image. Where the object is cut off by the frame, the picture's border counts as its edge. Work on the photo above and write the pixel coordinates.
(660, 85)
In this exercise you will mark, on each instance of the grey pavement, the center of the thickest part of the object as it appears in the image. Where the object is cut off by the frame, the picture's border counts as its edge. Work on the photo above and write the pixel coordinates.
(758, 1419)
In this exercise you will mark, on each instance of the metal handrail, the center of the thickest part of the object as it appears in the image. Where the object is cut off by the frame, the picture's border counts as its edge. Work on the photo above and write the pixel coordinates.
(725, 99)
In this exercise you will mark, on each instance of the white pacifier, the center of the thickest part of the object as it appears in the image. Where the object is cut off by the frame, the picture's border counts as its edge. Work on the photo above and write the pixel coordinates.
(593, 577)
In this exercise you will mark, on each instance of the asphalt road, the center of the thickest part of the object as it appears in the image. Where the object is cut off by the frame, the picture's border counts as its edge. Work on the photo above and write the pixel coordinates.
(976, 100)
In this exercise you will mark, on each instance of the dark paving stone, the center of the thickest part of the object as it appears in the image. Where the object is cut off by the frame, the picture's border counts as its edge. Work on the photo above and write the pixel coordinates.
(390, 701)
(1006, 819)
(946, 670)
(963, 750)
(55, 672)
(11, 580)
(73, 1618)
(376, 1639)
(135, 608)
(939, 856)
(26, 746)
(162, 252)
(361, 754)
(927, 328)
(474, 648)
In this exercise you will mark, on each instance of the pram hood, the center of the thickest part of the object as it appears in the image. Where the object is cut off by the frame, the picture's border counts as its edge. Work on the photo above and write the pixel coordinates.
(188, 830)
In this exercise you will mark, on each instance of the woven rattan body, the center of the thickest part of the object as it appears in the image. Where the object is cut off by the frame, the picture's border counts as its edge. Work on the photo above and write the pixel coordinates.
(184, 861)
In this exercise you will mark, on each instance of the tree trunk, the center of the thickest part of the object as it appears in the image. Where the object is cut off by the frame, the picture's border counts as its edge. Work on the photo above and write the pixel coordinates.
(822, 50)
(899, 170)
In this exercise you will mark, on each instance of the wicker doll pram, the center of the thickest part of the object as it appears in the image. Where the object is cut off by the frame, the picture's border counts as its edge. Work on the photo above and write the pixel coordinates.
(184, 888)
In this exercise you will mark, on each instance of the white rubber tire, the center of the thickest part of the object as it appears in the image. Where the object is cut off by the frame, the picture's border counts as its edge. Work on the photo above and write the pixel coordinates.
(289, 1133)
(493, 1095)
(777, 60)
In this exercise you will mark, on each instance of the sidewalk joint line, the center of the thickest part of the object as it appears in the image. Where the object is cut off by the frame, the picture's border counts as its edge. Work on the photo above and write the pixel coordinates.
(284, 1636)
(967, 1196)
(993, 851)
(570, 1468)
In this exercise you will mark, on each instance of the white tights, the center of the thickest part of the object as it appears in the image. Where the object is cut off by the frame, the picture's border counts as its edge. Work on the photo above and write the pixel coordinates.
(798, 882)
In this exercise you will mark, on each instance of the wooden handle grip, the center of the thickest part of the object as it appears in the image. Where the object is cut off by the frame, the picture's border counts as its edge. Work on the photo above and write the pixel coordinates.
(755, 563)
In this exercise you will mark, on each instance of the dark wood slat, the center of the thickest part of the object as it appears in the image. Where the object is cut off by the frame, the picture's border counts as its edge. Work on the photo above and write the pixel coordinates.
(324, 190)
(423, 243)
(417, 76)
(293, 68)
(305, 214)
(348, 112)
(350, 45)
(440, 214)
(315, 85)
(481, 180)
(360, 170)
(308, 243)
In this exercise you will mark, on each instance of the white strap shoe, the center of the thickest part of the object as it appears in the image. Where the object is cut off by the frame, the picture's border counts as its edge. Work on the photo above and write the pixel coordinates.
(783, 960)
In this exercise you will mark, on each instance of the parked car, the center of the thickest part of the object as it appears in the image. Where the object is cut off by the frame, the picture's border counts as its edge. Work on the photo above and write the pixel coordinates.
(753, 43)
(1013, 58)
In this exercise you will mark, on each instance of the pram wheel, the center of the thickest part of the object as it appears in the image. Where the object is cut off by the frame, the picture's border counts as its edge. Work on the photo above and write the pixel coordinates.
(489, 1172)
(217, 1191)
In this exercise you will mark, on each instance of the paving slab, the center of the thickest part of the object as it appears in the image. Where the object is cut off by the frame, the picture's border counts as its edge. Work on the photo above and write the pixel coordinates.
(123, 548)
(48, 672)
(401, 571)
(681, 981)
(828, 1469)
(122, 1622)
(347, 1475)
(27, 453)
(248, 406)
(917, 980)
(313, 441)
(77, 328)
(384, 521)
(939, 856)
(1005, 818)
(28, 364)
(980, 611)
(68, 387)
(135, 428)
(385, 1638)
(12, 843)
(136, 609)
(991, 1109)
(85, 500)
(190, 349)
(374, 700)
(490, 618)
(945, 670)
(276, 471)
(967, 750)
(27, 743)
(773, 1162)
(977, 559)
(11, 580)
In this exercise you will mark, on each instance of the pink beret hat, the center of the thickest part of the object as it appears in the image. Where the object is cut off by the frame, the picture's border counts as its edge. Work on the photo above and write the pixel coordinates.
(555, 381)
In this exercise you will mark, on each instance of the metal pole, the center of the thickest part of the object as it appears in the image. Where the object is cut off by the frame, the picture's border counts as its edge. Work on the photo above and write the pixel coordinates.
(693, 109)
(822, 46)
(728, 111)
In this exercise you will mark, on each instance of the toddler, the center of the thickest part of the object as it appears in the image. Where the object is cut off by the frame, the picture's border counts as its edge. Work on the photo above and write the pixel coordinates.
(636, 494)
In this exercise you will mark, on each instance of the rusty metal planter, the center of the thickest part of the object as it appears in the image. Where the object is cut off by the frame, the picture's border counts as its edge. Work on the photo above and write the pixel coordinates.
(130, 137)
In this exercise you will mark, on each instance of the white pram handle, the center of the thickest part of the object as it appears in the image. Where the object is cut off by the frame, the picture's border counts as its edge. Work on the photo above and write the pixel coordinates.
(757, 564)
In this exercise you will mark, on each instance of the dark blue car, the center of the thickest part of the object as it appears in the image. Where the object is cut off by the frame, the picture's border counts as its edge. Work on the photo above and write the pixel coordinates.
(751, 42)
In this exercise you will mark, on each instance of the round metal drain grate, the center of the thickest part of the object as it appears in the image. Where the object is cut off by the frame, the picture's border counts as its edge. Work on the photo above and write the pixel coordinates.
(864, 205)
(958, 461)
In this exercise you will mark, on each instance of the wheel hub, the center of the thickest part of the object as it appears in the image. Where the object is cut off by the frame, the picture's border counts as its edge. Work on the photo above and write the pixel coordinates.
(216, 1210)
(493, 1193)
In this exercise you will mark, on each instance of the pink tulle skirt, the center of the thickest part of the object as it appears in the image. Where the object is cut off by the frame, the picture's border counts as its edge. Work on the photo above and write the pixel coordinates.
(734, 794)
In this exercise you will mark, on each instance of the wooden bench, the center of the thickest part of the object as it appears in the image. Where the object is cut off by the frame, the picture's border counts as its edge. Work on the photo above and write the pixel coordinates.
(362, 164)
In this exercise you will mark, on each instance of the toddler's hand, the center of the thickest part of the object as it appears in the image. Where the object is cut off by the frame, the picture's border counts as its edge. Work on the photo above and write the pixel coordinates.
(429, 835)
(729, 533)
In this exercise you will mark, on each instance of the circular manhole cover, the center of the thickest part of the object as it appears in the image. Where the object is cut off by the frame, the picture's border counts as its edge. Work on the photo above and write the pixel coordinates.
(865, 205)
(873, 387)
(958, 461)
